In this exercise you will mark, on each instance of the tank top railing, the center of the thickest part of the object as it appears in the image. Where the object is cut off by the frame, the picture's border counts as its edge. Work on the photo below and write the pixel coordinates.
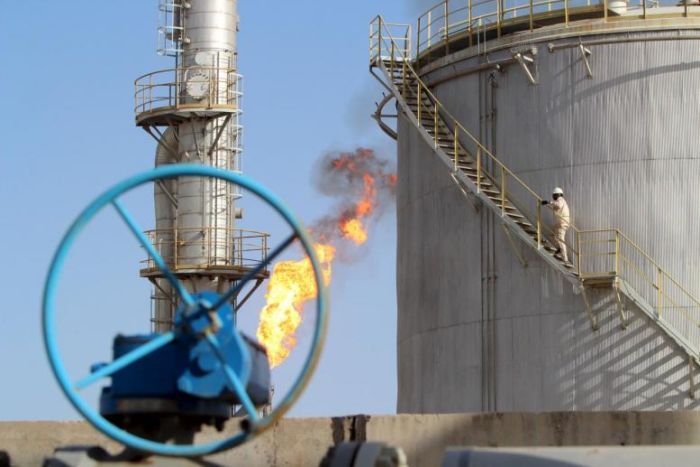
(451, 18)
(595, 254)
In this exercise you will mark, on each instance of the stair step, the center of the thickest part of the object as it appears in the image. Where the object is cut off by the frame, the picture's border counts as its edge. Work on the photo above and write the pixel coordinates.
(450, 148)
(441, 131)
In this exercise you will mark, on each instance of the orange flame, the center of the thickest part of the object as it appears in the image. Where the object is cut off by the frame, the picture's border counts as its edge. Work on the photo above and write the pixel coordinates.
(291, 285)
(354, 230)
(352, 227)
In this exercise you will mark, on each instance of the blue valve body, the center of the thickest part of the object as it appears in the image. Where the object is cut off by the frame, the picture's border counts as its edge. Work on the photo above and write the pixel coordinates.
(186, 374)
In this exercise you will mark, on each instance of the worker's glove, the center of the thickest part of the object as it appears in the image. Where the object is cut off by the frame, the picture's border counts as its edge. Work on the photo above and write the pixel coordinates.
(544, 202)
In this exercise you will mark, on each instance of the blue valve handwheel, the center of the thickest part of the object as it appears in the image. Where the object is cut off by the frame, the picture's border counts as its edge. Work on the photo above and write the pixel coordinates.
(70, 389)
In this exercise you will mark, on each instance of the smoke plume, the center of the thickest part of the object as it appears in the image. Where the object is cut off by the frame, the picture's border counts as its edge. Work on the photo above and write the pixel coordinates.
(363, 184)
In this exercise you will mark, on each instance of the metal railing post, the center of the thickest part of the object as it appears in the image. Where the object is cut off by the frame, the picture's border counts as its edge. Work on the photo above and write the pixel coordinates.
(456, 144)
(644, 9)
(578, 253)
(532, 7)
(660, 290)
(566, 12)
(605, 9)
(617, 252)
(478, 169)
(447, 26)
(406, 43)
(379, 39)
(371, 42)
(430, 28)
(499, 15)
(404, 81)
(469, 19)
(170, 91)
(503, 191)
(418, 45)
(393, 50)
(539, 224)
(435, 127)
(420, 105)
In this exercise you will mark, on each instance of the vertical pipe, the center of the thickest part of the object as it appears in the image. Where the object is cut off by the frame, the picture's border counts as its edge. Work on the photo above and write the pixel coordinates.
(605, 9)
(566, 12)
(644, 9)
(531, 13)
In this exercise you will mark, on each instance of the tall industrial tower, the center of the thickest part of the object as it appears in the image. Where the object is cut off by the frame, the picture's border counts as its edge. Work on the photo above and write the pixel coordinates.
(193, 111)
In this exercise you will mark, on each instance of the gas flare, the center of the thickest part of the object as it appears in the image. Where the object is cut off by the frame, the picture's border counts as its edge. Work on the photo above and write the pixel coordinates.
(361, 181)
(291, 285)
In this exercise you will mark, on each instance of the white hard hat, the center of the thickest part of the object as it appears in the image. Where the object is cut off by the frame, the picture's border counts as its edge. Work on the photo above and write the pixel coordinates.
(558, 191)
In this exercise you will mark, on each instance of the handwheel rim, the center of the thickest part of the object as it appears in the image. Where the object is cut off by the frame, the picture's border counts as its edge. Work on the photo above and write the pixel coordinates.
(51, 287)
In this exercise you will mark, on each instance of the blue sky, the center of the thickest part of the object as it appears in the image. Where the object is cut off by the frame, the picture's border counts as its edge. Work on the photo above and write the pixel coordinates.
(67, 133)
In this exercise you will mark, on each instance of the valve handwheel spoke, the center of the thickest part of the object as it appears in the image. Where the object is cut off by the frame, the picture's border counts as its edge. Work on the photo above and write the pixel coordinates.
(126, 360)
(157, 259)
(235, 381)
(232, 378)
(233, 291)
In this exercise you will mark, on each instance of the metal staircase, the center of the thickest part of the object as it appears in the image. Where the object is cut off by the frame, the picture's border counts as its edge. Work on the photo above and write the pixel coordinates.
(600, 258)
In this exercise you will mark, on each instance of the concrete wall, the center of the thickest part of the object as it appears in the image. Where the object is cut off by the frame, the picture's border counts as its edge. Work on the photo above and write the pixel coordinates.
(303, 442)
(477, 330)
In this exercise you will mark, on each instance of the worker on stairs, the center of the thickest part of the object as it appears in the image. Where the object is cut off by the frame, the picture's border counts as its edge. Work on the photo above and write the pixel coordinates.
(562, 221)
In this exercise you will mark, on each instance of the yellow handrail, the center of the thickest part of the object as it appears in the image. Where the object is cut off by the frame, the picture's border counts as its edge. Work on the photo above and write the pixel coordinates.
(659, 283)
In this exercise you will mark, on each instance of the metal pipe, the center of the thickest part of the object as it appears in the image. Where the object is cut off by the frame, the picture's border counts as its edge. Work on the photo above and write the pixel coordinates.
(568, 45)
